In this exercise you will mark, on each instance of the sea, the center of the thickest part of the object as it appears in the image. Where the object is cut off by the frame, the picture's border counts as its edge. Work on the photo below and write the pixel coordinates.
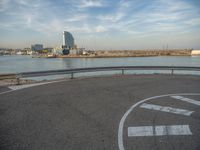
(25, 63)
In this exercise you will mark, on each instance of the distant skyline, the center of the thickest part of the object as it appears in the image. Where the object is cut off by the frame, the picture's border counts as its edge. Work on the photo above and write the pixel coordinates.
(101, 24)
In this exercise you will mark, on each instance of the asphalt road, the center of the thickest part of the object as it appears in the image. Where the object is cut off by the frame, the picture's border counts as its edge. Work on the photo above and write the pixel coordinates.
(3, 89)
(87, 114)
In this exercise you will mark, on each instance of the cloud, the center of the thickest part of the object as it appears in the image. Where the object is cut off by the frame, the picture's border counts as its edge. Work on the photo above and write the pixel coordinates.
(161, 16)
(90, 17)
(81, 29)
(193, 22)
(91, 3)
(4, 5)
(77, 17)
(112, 18)
(23, 2)
(29, 3)
(177, 5)
(56, 25)
(83, 4)
(100, 29)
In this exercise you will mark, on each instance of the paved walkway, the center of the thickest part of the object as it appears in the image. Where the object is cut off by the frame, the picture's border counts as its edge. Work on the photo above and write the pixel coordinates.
(123, 112)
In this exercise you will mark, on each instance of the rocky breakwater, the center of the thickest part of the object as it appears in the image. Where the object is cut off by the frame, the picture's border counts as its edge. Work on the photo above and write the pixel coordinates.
(129, 53)
(141, 53)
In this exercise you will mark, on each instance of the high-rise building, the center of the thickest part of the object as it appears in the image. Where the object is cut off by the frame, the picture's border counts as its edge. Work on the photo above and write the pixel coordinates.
(68, 40)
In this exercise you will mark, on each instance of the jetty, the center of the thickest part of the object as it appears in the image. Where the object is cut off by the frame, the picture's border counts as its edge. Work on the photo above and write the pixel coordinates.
(129, 53)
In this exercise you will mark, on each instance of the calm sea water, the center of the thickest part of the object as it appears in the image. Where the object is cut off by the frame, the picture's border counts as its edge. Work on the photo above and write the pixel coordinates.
(15, 64)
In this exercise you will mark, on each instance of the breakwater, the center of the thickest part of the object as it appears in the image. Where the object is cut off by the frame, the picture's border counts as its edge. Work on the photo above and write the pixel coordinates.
(132, 53)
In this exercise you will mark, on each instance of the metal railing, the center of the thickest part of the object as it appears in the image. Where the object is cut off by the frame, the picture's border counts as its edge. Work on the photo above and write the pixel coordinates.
(96, 69)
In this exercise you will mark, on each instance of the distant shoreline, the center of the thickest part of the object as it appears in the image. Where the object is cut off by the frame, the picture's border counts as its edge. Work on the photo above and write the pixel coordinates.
(127, 53)
(82, 56)
(119, 53)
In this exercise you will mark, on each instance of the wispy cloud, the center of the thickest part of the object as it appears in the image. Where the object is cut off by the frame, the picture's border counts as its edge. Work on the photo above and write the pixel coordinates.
(100, 29)
(161, 17)
(91, 17)
(77, 18)
(91, 3)
(83, 4)
(4, 5)
(112, 18)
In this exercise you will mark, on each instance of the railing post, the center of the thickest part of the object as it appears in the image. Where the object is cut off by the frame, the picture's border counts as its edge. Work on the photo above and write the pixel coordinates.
(18, 79)
(72, 75)
(172, 72)
(122, 71)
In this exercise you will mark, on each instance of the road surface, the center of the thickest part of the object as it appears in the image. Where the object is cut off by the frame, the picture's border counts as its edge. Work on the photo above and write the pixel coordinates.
(137, 112)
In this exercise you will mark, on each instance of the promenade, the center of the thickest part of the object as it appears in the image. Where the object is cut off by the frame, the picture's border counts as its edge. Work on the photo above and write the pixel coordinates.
(115, 112)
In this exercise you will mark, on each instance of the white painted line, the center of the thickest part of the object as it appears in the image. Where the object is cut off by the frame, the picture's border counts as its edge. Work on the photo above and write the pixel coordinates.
(123, 119)
(6, 92)
(167, 109)
(192, 101)
(159, 130)
(19, 87)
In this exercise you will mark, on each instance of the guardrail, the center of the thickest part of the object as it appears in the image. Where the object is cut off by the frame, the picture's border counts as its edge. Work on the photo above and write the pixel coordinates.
(96, 69)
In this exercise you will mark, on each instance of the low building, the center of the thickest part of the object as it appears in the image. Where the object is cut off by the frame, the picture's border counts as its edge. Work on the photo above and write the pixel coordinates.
(57, 51)
(37, 47)
(26, 51)
(78, 51)
(49, 49)
(195, 52)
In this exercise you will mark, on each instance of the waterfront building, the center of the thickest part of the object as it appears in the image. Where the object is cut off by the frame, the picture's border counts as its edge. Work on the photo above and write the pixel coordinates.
(77, 51)
(195, 52)
(19, 53)
(49, 49)
(26, 51)
(57, 51)
(68, 42)
(37, 47)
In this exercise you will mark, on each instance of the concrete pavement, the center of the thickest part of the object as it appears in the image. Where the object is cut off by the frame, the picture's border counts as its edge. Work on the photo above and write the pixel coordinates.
(86, 113)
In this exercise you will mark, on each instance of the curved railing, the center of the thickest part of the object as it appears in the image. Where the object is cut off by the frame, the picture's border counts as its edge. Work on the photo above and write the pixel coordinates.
(96, 69)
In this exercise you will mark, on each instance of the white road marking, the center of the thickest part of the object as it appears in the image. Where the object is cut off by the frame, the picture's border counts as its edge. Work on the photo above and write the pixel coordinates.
(192, 101)
(159, 130)
(19, 87)
(167, 109)
(6, 92)
(121, 123)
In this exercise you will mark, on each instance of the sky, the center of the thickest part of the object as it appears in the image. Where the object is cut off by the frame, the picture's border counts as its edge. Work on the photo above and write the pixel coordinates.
(101, 24)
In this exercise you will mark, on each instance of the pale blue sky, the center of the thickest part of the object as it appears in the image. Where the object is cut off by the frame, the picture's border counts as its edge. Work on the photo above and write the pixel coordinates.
(101, 24)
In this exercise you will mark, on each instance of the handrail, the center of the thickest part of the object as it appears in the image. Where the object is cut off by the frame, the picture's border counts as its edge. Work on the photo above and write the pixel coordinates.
(96, 69)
